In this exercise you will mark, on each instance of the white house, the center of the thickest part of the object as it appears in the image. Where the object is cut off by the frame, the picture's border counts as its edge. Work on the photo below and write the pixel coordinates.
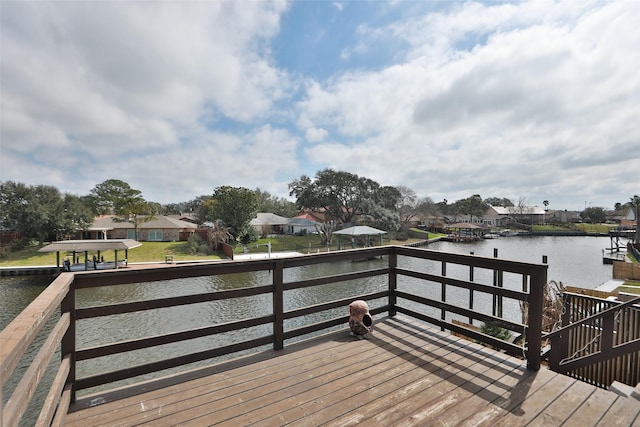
(267, 223)
(500, 216)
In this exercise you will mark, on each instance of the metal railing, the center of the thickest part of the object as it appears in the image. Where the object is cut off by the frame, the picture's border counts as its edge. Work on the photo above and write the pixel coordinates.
(425, 298)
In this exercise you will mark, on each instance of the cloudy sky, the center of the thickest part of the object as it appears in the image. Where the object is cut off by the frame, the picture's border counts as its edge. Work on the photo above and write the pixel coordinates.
(533, 99)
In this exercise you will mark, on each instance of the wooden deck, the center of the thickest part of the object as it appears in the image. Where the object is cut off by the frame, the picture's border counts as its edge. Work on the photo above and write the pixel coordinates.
(406, 374)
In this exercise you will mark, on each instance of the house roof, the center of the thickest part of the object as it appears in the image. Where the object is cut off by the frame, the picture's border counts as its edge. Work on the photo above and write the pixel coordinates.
(360, 230)
(464, 225)
(302, 222)
(90, 245)
(265, 218)
(189, 217)
(515, 210)
(307, 216)
(159, 221)
(631, 214)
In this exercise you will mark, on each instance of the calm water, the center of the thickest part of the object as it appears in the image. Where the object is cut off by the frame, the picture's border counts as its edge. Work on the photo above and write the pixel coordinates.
(572, 260)
(575, 261)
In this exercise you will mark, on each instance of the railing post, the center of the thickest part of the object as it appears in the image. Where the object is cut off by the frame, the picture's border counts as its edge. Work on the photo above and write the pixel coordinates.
(443, 291)
(471, 291)
(497, 281)
(393, 282)
(534, 329)
(607, 336)
(278, 306)
(68, 345)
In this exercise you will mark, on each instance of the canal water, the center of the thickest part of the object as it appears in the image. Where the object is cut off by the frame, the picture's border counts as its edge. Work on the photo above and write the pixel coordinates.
(575, 261)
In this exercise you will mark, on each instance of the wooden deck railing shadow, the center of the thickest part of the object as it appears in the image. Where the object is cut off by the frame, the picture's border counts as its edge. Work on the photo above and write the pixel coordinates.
(599, 342)
(394, 298)
(452, 371)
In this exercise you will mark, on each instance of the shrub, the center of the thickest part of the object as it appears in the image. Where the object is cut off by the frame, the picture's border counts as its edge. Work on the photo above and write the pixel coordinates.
(495, 331)
(196, 246)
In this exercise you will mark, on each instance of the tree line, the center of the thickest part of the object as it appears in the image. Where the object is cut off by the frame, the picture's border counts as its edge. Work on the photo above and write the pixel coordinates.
(42, 212)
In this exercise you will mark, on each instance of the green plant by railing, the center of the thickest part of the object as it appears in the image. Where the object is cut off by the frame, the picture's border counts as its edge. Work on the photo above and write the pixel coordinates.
(495, 331)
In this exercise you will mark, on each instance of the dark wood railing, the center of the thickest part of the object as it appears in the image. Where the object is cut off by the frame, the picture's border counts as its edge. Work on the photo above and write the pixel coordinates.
(599, 342)
(397, 297)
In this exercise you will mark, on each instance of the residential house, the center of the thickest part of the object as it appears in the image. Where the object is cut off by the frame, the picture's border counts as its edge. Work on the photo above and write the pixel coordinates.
(268, 223)
(158, 229)
(629, 219)
(188, 217)
(502, 216)
(562, 217)
(305, 223)
(497, 216)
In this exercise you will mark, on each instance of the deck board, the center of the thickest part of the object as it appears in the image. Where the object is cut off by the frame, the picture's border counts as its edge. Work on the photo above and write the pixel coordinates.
(407, 374)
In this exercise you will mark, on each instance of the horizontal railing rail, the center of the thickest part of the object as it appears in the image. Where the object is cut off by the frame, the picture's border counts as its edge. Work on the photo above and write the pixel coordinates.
(285, 324)
(16, 339)
(599, 341)
(531, 278)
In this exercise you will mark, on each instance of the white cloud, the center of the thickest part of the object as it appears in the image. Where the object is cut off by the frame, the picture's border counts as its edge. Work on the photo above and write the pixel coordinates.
(115, 86)
(535, 99)
(548, 91)
(316, 134)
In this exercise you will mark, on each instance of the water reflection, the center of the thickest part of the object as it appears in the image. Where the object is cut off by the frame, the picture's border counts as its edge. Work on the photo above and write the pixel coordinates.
(568, 260)
(16, 293)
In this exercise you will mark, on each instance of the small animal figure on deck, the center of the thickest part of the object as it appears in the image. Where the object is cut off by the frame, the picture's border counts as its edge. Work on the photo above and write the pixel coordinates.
(360, 320)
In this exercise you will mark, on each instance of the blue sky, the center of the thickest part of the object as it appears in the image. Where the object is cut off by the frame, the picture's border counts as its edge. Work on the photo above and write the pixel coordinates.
(535, 100)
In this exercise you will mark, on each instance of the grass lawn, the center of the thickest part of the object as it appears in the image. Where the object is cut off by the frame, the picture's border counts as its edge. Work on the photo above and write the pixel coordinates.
(596, 228)
(156, 251)
(629, 287)
(588, 228)
(550, 227)
(148, 252)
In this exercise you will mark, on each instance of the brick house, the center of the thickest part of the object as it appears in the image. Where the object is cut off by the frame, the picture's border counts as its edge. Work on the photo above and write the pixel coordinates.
(160, 229)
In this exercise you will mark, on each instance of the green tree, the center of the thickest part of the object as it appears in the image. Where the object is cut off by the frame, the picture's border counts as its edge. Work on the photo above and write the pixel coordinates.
(138, 211)
(276, 205)
(73, 215)
(217, 236)
(235, 207)
(430, 213)
(341, 195)
(472, 206)
(520, 209)
(634, 203)
(115, 197)
(14, 197)
(498, 201)
(197, 207)
(594, 215)
(171, 209)
(33, 211)
(408, 205)
(206, 211)
(384, 207)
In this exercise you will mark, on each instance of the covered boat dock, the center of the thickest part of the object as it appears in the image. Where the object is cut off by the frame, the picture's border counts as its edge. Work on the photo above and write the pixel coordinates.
(86, 246)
